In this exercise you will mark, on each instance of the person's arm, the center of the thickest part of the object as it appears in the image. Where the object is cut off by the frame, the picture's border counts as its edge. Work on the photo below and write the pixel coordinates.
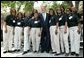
(40, 23)
(5, 27)
(79, 26)
(57, 24)
(29, 26)
(33, 17)
(81, 19)
(40, 31)
(56, 31)
(65, 27)
(40, 27)
(29, 30)
(5, 24)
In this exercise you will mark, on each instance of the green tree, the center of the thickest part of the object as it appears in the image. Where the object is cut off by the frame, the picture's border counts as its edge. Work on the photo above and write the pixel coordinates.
(66, 5)
(8, 3)
(55, 5)
(28, 6)
(12, 4)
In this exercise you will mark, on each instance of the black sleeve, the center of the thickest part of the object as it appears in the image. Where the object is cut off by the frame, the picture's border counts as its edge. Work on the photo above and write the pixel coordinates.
(29, 22)
(79, 15)
(7, 17)
(40, 23)
(40, 19)
(23, 23)
(31, 15)
(77, 18)
(15, 22)
(48, 16)
(55, 18)
(65, 17)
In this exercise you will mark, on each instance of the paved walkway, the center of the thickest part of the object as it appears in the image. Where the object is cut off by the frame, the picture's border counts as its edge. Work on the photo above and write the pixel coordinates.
(31, 54)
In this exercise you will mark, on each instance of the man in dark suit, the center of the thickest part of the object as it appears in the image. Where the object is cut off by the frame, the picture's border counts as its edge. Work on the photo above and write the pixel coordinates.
(45, 35)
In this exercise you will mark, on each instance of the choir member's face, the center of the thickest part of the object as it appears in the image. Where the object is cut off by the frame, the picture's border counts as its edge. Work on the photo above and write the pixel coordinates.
(35, 15)
(58, 10)
(13, 13)
(73, 9)
(51, 12)
(67, 11)
(27, 14)
(62, 9)
(19, 15)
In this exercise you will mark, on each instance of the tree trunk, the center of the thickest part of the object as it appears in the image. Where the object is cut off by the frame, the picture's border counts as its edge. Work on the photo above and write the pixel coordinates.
(18, 8)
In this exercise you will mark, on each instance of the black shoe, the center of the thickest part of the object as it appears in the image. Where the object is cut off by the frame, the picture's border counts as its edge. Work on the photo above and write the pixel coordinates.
(42, 51)
(24, 52)
(37, 51)
(5, 51)
(18, 50)
(28, 50)
(47, 51)
(34, 51)
(72, 53)
(15, 50)
(77, 54)
(62, 53)
(67, 54)
(53, 52)
(10, 51)
(57, 54)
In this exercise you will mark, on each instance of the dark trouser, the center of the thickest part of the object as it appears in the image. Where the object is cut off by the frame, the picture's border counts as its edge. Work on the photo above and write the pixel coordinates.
(45, 40)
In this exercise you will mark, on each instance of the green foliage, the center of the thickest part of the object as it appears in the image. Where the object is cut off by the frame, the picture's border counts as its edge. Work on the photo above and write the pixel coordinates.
(28, 6)
(8, 3)
(55, 5)
(12, 4)
(65, 4)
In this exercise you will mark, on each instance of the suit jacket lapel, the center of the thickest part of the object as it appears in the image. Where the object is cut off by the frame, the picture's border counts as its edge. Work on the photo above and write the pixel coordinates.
(42, 17)
(46, 17)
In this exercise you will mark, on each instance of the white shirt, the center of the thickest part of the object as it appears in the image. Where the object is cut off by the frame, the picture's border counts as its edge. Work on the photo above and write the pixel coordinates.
(44, 16)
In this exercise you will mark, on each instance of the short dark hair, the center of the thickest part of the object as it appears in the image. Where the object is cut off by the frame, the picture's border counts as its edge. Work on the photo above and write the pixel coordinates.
(58, 9)
(68, 9)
